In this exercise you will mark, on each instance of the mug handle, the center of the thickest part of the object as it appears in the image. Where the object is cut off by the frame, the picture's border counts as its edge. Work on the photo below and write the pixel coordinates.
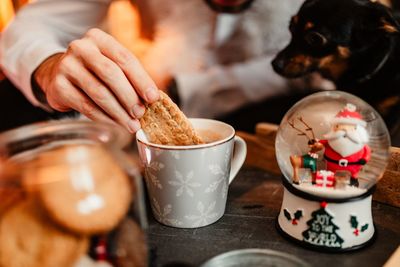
(239, 155)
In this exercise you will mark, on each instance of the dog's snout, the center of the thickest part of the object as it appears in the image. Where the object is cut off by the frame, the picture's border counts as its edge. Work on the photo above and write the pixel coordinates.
(291, 64)
(278, 64)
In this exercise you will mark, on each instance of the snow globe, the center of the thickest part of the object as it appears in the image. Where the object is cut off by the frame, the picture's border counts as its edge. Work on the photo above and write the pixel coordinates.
(332, 148)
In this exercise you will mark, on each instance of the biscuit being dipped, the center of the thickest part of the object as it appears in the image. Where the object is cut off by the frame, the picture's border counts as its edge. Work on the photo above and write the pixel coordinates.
(164, 123)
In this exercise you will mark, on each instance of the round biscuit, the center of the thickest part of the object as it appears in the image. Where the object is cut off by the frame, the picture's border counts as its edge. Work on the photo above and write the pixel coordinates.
(28, 239)
(86, 191)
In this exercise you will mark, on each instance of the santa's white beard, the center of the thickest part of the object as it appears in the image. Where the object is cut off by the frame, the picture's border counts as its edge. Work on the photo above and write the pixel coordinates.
(347, 143)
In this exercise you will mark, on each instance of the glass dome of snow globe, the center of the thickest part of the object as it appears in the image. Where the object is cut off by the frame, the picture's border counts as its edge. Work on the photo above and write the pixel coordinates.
(332, 148)
(332, 144)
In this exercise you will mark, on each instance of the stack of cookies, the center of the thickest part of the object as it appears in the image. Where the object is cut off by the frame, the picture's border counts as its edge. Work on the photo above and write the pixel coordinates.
(57, 200)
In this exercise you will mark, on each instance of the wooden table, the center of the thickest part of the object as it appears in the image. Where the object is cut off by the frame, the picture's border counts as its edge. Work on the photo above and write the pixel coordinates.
(249, 222)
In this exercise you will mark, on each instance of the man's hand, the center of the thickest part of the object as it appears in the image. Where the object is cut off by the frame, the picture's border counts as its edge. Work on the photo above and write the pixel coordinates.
(99, 78)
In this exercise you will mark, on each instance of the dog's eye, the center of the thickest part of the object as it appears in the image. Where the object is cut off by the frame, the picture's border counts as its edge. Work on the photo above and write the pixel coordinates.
(315, 39)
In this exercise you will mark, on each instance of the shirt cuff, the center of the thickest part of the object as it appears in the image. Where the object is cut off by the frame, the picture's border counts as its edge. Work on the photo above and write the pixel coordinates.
(39, 55)
(29, 61)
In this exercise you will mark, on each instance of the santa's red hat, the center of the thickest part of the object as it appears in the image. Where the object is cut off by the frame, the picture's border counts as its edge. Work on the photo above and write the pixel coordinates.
(349, 115)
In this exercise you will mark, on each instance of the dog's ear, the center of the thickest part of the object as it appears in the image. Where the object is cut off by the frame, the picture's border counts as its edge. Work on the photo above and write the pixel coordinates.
(372, 35)
(388, 23)
(375, 21)
(381, 18)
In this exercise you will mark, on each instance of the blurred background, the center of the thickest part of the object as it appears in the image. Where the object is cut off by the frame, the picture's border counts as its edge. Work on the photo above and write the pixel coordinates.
(122, 15)
(123, 22)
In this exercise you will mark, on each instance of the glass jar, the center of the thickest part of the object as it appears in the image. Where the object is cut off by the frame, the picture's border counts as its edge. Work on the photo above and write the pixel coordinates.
(351, 130)
(70, 196)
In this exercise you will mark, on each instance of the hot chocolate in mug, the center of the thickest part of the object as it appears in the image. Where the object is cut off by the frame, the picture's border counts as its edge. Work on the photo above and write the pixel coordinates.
(188, 185)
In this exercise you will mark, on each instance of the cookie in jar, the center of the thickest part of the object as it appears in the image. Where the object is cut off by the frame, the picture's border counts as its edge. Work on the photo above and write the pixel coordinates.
(73, 185)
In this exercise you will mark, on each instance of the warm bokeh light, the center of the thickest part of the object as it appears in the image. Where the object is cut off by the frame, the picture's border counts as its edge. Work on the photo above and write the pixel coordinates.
(124, 24)
(8, 9)
(6, 13)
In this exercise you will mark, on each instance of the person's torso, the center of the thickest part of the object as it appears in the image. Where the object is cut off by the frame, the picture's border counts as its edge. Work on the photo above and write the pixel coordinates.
(190, 31)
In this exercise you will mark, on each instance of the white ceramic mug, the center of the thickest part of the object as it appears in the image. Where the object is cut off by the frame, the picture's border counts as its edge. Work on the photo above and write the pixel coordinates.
(188, 185)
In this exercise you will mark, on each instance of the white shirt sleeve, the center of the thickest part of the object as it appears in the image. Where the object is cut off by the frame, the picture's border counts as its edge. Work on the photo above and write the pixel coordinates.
(41, 29)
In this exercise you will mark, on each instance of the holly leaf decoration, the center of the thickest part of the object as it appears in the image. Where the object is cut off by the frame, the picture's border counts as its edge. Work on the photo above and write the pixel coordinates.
(287, 214)
(353, 222)
(364, 227)
(298, 214)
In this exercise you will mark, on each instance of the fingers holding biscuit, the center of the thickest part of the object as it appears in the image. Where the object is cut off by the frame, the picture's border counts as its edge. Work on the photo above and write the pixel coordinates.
(101, 106)
(97, 68)
(128, 63)
(109, 82)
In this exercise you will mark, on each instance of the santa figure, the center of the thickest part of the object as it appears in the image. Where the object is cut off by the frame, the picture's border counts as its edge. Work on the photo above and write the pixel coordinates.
(345, 145)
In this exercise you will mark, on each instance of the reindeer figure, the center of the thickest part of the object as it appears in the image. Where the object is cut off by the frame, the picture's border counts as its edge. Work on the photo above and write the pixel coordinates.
(309, 160)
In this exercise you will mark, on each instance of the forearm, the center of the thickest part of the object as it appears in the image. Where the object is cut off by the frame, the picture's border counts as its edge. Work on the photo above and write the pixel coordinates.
(42, 29)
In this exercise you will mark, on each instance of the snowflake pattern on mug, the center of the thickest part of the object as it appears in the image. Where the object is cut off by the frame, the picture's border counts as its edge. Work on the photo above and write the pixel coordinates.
(205, 216)
(215, 169)
(151, 173)
(158, 152)
(222, 174)
(161, 215)
(175, 154)
(184, 184)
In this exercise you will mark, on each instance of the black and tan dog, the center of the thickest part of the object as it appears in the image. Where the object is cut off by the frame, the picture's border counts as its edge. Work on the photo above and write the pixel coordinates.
(355, 43)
